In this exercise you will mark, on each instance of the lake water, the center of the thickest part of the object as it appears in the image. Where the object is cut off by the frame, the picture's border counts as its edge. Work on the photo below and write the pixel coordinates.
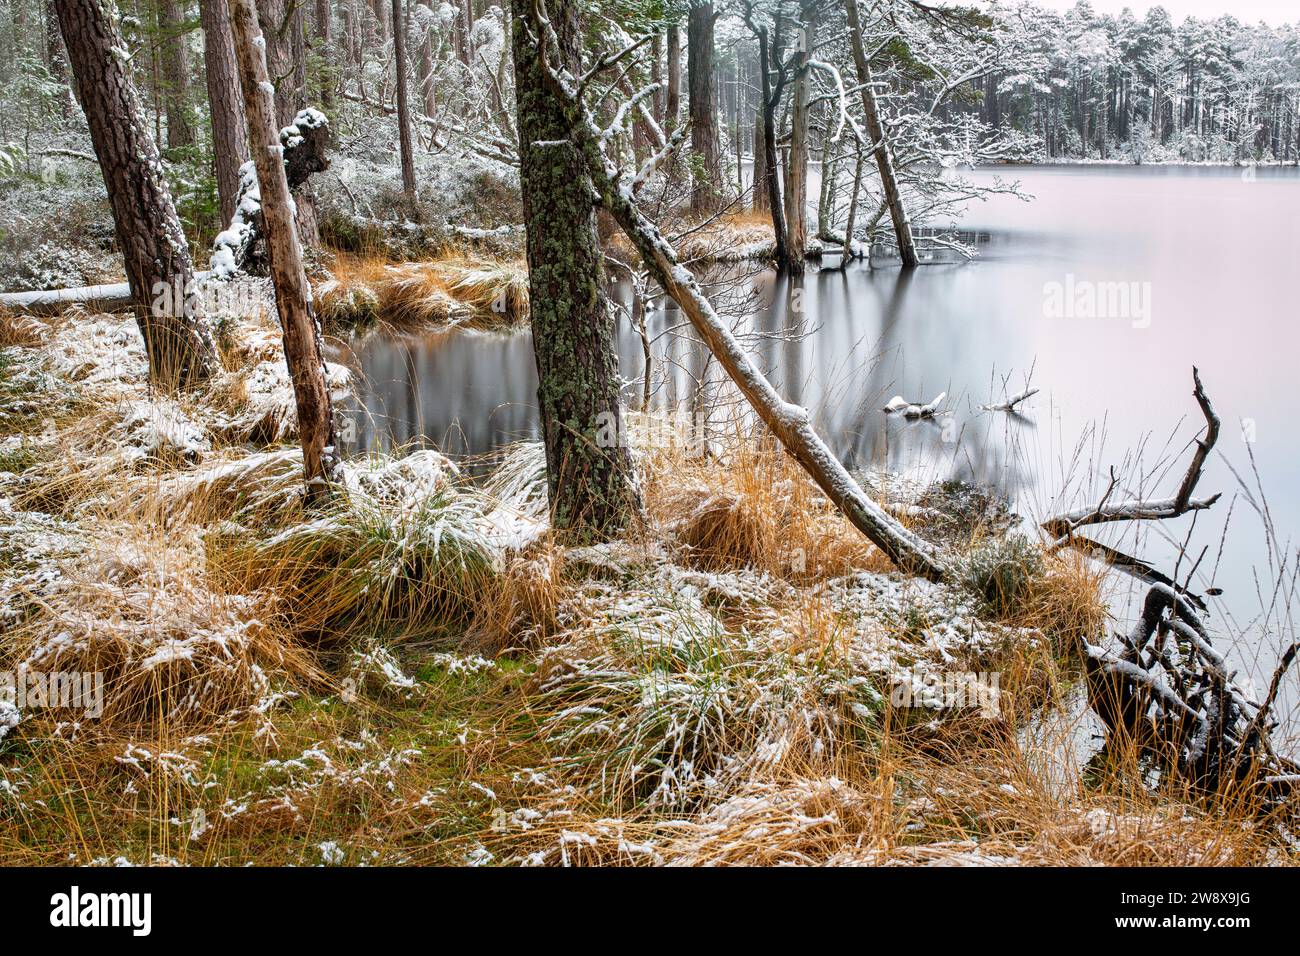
(1183, 265)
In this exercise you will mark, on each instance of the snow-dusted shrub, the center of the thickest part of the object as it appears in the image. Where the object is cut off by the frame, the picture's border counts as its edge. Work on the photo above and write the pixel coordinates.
(649, 699)
(1002, 570)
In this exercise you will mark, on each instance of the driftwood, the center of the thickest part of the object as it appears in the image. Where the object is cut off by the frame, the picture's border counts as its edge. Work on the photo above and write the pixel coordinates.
(1010, 404)
(1063, 527)
(790, 423)
(898, 404)
(1167, 690)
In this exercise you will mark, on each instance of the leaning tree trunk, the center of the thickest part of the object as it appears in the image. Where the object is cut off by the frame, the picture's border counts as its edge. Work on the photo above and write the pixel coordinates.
(791, 424)
(302, 345)
(588, 467)
(876, 130)
(229, 139)
(180, 347)
(175, 74)
(403, 108)
(706, 188)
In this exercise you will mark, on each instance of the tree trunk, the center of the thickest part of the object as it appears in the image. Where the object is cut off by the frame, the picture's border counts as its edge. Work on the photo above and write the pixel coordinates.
(588, 467)
(57, 57)
(229, 139)
(706, 174)
(796, 184)
(771, 169)
(175, 74)
(274, 20)
(426, 69)
(673, 98)
(157, 258)
(324, 34)
(875, 129)
(403, 108)
(302, 346)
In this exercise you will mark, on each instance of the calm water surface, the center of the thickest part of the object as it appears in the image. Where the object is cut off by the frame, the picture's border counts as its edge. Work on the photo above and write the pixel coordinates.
(1210, 259)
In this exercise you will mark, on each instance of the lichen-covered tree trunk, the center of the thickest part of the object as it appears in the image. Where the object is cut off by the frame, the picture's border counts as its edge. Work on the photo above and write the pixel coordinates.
(589, 472)
(229, 142)
(403, 107)
(302, 344)
(157, 258)
(876, 130)
(706, 186)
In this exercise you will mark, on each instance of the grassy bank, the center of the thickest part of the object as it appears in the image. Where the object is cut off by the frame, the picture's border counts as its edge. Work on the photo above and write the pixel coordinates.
(420, 674)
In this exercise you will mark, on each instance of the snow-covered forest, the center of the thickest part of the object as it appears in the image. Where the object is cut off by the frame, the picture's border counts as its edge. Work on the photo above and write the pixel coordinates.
(673, 613)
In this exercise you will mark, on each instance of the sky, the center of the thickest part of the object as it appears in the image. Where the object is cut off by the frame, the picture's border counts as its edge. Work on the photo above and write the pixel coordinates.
(1274, 12)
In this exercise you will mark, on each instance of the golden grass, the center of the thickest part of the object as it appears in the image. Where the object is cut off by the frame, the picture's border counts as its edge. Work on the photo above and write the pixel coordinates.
(695, 694)
(19, 330)
(448, 291)
(754, 508)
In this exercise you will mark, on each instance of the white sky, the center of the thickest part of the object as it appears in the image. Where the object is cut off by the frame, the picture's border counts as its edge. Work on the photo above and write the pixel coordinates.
(1275, 12)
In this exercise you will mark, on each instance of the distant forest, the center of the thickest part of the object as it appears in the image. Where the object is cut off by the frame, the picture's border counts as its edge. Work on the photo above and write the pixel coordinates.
(1147, 89)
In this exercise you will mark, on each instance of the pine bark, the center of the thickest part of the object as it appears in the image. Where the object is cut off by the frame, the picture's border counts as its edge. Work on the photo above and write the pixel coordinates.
(175, 74)
(427, 92)
(157, 258)
(57, 57)
(275, 20)
(225, 101)
(706, 187)
(592, 492)
(323, 32)
(302, 342)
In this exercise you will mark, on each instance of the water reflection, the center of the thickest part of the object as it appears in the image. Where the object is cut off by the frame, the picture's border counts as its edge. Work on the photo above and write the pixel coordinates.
(1215, 251)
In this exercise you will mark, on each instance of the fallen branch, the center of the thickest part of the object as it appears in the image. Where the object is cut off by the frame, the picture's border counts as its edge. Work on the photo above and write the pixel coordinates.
(1010, 404)
(1166, 689)
(1063, 526)
(108, 297)
(913, 409)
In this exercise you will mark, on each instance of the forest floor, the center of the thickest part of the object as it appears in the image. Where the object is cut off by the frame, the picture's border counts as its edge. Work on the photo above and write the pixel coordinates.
(421, 673)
